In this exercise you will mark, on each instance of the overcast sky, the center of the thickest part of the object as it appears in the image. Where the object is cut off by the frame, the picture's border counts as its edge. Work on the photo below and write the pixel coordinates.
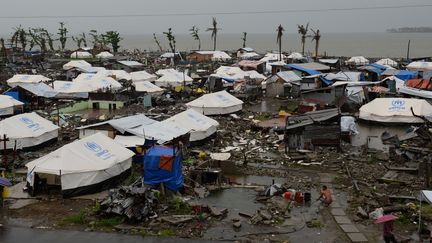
(376, 20)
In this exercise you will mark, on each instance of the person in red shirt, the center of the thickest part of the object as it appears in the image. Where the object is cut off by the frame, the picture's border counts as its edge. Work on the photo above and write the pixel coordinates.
(325, 196)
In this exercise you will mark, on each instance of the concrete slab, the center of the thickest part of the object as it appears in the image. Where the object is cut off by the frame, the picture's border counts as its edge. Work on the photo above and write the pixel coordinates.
(357, 237)
(20, 203)
(335, 205)
(337, 212)
(349, 228)
(342, 220)
(16, 191)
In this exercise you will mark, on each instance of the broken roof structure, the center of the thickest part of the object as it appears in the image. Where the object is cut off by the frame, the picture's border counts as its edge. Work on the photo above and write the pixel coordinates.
(86, 165)
(28, 130)
(217, 103)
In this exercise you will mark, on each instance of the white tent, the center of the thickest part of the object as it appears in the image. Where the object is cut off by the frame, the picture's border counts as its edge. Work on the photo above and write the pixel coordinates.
(26, 79)
(249, 55)
(141, 76)
(254, 75)
(81, 54)
(28, 130)
(173, 79)
(295, 56)
(8, 105)
(358, 61)
(104, 55)
(395, 110)
(83, 165)
(387, 62)
(200, 126)
(148, 87)
(129, 141)
(220, 56)
(115, 74)
(420, 66)
(76, 64)
(216, 104)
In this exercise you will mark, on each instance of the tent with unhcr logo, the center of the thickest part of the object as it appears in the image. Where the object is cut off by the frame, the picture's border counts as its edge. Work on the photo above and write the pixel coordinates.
(89, 165)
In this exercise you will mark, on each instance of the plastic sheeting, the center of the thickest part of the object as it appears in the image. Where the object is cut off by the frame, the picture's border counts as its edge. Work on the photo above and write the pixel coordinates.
(348, 124)
(163, 165)
(26, 79)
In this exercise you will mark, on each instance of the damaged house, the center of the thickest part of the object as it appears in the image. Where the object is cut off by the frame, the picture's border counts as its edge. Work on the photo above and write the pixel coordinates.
(312, 129)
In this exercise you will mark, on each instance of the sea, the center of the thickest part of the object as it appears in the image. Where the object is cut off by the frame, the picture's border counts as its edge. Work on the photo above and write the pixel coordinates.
(392, 45)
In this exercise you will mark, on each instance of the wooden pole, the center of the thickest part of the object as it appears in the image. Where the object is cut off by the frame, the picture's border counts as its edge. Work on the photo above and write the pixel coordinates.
(408, 49)
(5, 139)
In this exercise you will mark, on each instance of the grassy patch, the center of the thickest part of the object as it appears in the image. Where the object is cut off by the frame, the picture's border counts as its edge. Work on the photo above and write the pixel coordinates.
(315, 223)
(403, 220)
(109, 222)
(79, 218)
(166, 232)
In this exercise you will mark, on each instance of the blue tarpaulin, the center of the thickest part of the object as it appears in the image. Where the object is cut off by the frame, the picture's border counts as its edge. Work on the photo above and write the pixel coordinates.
(406, 75)
(310, 72)
(379, 66)
(163, 165)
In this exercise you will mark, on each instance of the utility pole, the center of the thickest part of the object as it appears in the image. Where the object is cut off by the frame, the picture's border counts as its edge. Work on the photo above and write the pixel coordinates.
(4, 140)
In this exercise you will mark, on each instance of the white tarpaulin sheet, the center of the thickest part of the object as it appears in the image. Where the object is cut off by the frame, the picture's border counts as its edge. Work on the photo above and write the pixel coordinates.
(395, 110)
(69, 90)
(8, 105)
(358, 60)
(39, 89)
(148, 87)
(200, 126)
(124, 123)
(26, 79)
(104, 54)
(217, 103)
(94, 82)
(115, 74)
(141, 76)
(84, 162)
(76, 64)
(28, 130)
(173, 79)
(81, 54)
(387, 62)
(129, 141)
(162, 132)
(420, 66)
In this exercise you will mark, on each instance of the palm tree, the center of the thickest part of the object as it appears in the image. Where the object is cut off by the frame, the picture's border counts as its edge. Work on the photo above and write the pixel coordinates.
(156, 40)
(303, 32)
(172, 43)
(244, 38)
(316, 37)
(280, 31)
(214, 31)
(194, 33)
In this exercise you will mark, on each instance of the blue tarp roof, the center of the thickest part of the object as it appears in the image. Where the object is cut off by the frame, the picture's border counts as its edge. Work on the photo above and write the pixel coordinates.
(406, 75)
(155, 171)
(379, 66)
(308, 71)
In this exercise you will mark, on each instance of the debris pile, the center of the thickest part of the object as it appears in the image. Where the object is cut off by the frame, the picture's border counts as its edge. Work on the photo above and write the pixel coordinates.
(136, 203)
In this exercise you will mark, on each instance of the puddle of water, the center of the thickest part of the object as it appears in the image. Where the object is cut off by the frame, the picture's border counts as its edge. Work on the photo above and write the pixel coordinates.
(255, 180)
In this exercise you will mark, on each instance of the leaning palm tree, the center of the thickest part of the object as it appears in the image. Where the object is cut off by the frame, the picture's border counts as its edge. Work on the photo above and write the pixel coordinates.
(302, 30)
(316, 37)
(194, 33)
(280, 31)
(214, 29)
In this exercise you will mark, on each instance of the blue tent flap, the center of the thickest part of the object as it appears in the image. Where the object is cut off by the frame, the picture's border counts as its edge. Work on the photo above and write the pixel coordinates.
(154, 171)
(406, 75)
(308, 71)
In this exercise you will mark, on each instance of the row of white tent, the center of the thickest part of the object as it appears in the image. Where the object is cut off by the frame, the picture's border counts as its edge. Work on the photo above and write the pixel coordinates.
(87, 55)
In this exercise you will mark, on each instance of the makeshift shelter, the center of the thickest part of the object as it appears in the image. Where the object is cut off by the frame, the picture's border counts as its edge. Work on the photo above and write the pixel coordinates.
(129, 66)
(148, 87)
(357, 61)
(395, 110)
(278, 84)
(217, 103)
(81, 54)
(163, 165)
(200, 126)
(27, 130)
(26, 79)
(88, 165)
(104, 55)
(295, 56)
(161, 132)
(9, 105)
(173, 79)
(94, 82)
